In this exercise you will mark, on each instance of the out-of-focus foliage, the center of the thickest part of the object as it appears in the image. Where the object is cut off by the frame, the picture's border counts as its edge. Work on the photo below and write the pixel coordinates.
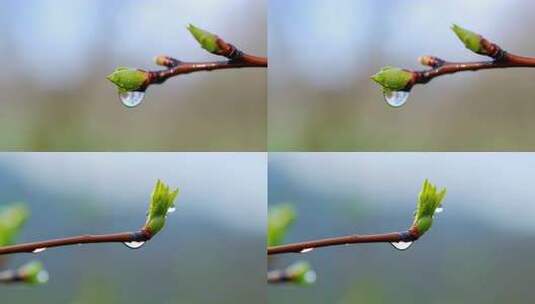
(12, 218)
(33, 273)
(301, 273)
(280, 218)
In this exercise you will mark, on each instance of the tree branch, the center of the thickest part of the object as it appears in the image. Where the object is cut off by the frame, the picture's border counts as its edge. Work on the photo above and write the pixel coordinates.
(142, 235)
(179, 68)
(394, 79)
(406, 236)
(441, 67)
(236, 59)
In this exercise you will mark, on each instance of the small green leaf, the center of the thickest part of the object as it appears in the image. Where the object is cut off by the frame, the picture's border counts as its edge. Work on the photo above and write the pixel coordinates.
(280, 217)
(471, 40)
(207, 40)
(301, 272)
(392, 78)
(33, 273)
(162, 200)
(12, 218)
(128, 79)
(428, 201)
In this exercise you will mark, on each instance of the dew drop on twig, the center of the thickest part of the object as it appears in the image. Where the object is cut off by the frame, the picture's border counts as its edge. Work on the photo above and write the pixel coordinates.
(439, 210)
(38, 250)
(306, 250)
(401, 245)
(396, 98)
(131, 99)
(171, 210)
(134, 244)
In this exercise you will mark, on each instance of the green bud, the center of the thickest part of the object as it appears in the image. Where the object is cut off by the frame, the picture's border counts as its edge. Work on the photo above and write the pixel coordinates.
(301, 272)
(128, 79)
(162, 201)
(423, 224)
(280, 218)
(428, 201)
(207, 40)
(12, 218)
(33, 273)
(392, 78)
(471, 40)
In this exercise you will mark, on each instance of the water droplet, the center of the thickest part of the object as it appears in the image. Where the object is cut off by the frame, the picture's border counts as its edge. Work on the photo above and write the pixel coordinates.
(306, 250)
(38, 250)
(396, 98)
(310, 277)
(171, 210)
(42, 277)
(131, 99)
(439, 210)
(401, 245)
(134, 244)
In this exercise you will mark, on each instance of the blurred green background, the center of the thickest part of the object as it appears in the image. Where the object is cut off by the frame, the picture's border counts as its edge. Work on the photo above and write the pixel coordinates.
(55, 55)
(212, 249)
(323, 53)
(479, 250)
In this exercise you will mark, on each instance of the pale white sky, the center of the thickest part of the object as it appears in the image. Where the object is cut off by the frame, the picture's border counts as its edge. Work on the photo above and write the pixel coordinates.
(225, 187)
(493, 187)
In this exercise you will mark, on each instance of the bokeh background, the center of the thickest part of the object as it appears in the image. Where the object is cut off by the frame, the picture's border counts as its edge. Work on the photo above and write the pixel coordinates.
(322, 54)
(479, 250)
(212, 249)
(55, 55)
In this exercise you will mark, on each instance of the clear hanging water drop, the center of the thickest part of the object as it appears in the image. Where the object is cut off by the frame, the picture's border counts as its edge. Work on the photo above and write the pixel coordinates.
(439, 210)
(38, 250)
(131, 99)
(171, 210)
(134, 244)
(401, 245)
(42, 277)
(306, 250)
(396, 98)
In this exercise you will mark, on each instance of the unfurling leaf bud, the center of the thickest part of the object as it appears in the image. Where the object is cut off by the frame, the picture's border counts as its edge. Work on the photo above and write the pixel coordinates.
(428, 201)
(392, 78)
(280, 217)
(471, 40)
(12, 218)
(127, 79)
(207, 40)
(33, 273)
(301, 272)
(162, 202)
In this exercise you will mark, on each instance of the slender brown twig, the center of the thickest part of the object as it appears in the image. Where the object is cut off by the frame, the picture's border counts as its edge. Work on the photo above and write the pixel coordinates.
(500, 59)
(142, 235)
(302, 247)
(175, 67)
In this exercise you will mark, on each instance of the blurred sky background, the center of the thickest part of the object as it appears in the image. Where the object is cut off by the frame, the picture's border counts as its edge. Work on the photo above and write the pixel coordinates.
(55, 55)
(479, 250)
(322, 54)
(212, 249)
